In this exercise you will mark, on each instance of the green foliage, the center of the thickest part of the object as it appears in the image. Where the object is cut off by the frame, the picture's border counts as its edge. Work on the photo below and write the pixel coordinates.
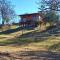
(49, 8)
(51, 17)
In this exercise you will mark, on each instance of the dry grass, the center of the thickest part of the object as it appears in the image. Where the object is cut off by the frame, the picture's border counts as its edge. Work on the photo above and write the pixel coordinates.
(52, 44)
(14, 35)
(12, 44)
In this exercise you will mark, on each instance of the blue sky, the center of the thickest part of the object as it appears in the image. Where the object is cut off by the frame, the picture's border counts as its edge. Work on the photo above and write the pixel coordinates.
(25, 6)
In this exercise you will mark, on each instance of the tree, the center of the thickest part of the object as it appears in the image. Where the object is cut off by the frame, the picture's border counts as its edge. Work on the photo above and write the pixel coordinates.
(51, 18)
(6, 11)
(50, 9)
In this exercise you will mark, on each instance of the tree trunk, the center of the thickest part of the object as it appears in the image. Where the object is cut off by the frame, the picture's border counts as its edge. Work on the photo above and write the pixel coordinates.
(2, 21)
(40, 24)
(2, 17)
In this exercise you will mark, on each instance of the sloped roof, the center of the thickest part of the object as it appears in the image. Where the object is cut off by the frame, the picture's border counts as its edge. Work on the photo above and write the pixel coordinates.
(29, 14)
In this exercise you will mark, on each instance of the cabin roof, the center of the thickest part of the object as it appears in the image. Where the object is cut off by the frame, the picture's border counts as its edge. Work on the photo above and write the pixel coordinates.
(29, 14)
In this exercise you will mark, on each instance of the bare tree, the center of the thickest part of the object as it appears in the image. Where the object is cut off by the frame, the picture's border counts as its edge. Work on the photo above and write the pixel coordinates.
(6, 11)
(49, 4)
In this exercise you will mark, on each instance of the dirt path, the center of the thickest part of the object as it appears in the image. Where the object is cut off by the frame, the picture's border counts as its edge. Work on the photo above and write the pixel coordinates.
(30, 55)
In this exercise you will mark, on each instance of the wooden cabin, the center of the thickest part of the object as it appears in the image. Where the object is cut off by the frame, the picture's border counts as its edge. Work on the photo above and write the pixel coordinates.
(28, 20)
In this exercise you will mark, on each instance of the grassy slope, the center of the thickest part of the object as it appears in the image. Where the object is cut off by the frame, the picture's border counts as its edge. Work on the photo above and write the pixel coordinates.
(52, 44)
(12, 45)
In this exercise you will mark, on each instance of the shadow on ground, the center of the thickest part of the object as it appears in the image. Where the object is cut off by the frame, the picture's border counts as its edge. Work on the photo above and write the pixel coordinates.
(24, 39)
(55, 47)
(31, 55)
(11, 31)
(50, 31)
(15, 30)
(20, 42)
(27, 38)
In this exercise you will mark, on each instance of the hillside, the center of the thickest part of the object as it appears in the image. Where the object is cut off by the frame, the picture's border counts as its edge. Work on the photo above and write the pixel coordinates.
(33, 41)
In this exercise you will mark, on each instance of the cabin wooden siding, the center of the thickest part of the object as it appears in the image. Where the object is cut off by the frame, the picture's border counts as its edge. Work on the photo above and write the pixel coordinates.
(29, 19)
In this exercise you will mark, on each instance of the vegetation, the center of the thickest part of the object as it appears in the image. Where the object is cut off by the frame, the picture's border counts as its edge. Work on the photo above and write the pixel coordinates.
(48, 9)
(51, 44)
(31, 39)
(51, 18)
(49, 5)
(6, 11)
(19, 39)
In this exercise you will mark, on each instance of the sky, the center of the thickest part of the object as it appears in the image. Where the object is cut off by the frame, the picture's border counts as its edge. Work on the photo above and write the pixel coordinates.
(24, 6)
